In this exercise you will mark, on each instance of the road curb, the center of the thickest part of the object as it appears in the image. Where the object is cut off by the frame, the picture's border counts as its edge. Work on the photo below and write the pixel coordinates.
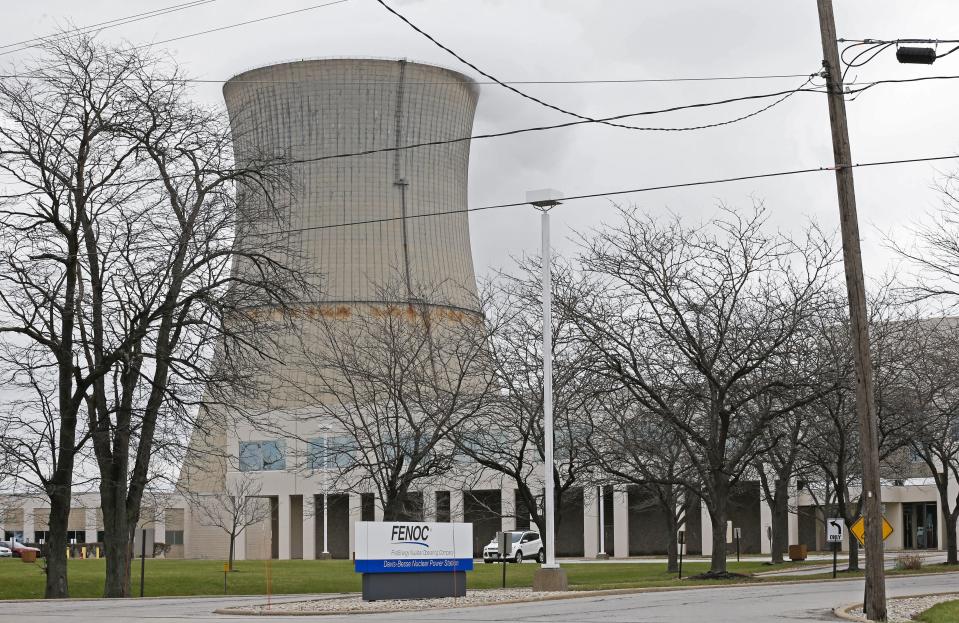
(244, 611)
(842, 612)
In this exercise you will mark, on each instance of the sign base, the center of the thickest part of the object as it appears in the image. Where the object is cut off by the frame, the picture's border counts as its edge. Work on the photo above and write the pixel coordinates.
(547, 579)
(378, 586)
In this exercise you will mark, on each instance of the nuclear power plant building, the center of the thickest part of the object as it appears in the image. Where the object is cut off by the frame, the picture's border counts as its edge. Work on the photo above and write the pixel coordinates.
(374, 215)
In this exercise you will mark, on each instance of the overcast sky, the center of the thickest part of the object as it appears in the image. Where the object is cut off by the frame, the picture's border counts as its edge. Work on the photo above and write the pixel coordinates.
(611, 39)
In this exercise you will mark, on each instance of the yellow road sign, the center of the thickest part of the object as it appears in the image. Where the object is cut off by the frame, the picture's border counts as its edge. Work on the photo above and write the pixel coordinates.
(858, 530)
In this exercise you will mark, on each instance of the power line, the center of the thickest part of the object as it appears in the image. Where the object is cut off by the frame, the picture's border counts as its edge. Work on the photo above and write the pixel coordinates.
(594, 195)
(503, 84)
(480, 82)
(869, 85)
(120, 21)
(252, 21)
(629, 191)
(782, 95)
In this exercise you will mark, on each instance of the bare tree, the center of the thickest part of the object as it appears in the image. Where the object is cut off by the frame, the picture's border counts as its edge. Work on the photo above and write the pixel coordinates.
(394, 380)
(831, 463)
(233, 510)
(931, 411)
(508, 437)
(637, 447)
(124, 273)
(777, 468)
(714, 312)
(934, 259)
(934, 250)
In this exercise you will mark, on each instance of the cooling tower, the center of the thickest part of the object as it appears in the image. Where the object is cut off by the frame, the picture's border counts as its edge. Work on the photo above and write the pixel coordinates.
(361, 220)
(364, 225)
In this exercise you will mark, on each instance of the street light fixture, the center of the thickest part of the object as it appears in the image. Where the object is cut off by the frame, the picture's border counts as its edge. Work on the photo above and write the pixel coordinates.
(549, 577)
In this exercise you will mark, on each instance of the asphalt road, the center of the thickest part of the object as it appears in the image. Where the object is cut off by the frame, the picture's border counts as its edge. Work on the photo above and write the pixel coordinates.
(740, 604)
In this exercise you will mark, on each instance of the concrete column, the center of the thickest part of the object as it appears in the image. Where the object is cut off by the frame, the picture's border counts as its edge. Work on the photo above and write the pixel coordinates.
(952, 489)
(283, 523)
(239, 546)
(159, 528)
(620, 523)
(507, 509)
(765, 523)
(591, 525)
(90, 526)
(309, 527)
(429, 505)
(793, 517)
(356, 514)
(893, 514)
(793, 528)
(28, 523)
(707, 530)
(457, 507)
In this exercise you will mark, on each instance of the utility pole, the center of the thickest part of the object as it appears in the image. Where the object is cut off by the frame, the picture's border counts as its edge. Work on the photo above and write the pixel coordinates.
(874, 599)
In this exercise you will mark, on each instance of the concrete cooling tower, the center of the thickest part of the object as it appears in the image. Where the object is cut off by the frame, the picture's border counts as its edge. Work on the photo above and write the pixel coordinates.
(363, 225)
(308, 111)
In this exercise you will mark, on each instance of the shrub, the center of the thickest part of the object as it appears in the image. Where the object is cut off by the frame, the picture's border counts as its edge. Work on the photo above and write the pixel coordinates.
(909, 561)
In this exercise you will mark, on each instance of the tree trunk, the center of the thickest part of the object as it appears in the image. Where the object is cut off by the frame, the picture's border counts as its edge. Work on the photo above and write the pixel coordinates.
(394, 506)
(232, 549)
(853, 553)
(56, 584)
(780, 521)
(717, 515)
(951, 554)
(117, 542)
(949, 517)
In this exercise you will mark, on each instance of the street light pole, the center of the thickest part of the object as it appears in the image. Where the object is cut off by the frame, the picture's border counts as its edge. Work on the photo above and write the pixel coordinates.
(326, 493)
(550, 502)
(549, 576)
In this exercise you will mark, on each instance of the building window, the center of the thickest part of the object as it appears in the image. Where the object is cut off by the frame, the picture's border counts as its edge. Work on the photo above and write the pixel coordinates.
(367, 507)
(174, 537)
(100, 536)
(258, 456)
(41, 536)
(318, 455)
(76, 536)
(13, 535)
(338, 452)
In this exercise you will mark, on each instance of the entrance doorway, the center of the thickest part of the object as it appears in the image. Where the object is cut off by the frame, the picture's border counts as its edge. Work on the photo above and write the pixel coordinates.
(920, 522)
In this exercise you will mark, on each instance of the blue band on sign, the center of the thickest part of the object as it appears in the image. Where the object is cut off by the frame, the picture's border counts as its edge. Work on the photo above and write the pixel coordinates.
(413, 565)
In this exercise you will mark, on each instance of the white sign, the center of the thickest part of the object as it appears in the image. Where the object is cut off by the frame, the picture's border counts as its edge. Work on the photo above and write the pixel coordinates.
(835, 526)
(411, 547)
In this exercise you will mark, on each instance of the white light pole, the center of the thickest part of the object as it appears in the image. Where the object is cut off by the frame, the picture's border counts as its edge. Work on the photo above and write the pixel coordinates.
(544, 200)
(326, 494)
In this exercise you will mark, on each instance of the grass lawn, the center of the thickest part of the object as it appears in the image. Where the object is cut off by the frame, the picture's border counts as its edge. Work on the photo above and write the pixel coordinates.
(19, 580)
(946, 612)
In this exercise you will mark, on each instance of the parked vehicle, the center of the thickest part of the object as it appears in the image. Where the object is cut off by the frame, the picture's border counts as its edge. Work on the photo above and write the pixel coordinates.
(17, 548)
(524, 545)
(5, 552)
